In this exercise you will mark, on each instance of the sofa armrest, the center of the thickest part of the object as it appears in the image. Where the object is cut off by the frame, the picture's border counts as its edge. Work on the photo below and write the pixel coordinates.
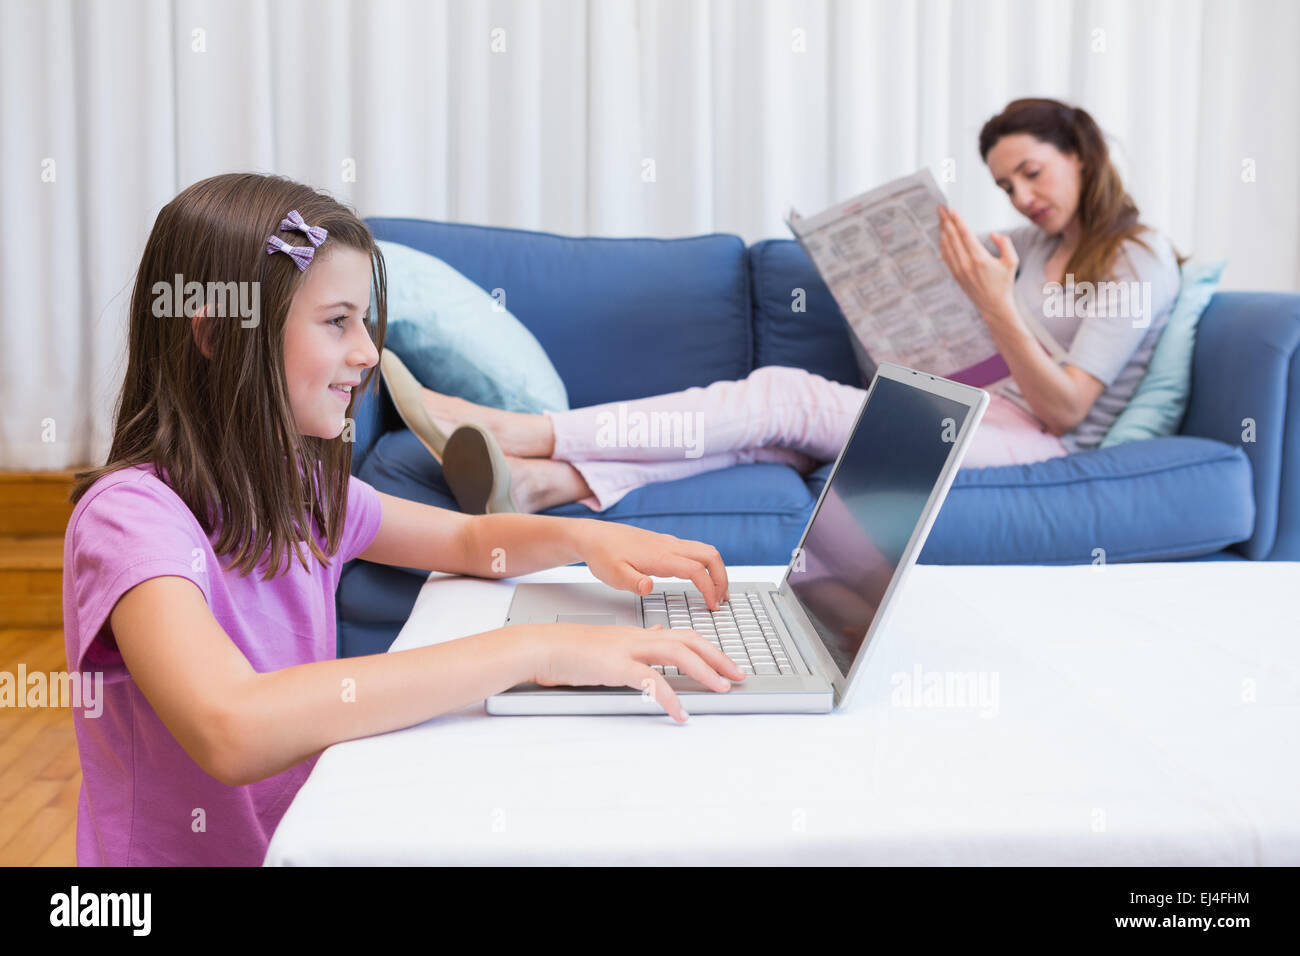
(1246, 392)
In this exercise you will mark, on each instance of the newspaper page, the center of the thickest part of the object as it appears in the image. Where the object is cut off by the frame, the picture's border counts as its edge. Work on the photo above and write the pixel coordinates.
(878, 253)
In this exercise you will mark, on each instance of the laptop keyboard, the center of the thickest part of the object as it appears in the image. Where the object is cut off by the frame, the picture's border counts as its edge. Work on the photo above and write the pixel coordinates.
(740, 627)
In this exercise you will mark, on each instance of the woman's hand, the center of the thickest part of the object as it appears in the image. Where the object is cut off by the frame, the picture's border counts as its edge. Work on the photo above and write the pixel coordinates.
(597, 655)
(987, 281)
(625, 557)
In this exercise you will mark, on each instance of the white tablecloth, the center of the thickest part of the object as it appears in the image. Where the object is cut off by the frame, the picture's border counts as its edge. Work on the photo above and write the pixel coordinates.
(1142, 714)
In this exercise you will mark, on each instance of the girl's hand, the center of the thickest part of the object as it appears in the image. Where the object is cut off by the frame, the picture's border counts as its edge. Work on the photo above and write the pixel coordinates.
(591, 654)
(987, 281)
(625, 557)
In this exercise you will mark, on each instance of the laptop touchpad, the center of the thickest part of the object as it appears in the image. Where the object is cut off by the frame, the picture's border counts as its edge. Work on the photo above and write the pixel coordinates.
(585, 618)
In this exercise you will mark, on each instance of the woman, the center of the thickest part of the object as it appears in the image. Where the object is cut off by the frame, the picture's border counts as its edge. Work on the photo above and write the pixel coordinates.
(1052, 162)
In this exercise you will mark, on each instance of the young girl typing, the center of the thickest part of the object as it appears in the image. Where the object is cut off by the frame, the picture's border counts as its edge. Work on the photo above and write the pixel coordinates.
(201, 560)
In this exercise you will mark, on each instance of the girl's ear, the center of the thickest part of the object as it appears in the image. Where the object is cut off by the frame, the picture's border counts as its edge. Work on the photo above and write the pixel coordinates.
(198, 326)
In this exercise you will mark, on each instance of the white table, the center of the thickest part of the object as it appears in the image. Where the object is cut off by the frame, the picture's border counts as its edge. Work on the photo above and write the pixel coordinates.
(1144, 714)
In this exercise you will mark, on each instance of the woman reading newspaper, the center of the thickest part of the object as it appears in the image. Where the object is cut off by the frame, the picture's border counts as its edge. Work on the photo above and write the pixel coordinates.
(1053, 163)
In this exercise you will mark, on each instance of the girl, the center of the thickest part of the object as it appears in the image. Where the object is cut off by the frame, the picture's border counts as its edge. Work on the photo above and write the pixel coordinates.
(1052, 162)
(185, 580)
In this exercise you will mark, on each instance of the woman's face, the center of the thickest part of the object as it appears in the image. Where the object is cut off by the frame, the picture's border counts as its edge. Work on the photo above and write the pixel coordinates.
(1041, 181)
(326, 342)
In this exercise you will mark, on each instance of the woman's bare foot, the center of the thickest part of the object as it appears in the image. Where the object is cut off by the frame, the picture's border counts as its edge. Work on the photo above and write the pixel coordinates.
(518, 433)
(537, 484)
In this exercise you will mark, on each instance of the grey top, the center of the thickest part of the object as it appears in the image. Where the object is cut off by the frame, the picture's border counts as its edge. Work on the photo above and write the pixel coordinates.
(1114, 337)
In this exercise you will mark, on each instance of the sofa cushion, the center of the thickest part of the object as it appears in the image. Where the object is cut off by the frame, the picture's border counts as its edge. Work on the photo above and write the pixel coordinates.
(619, 318)
(1160, 402)
(1160, 499)
(753, 514)
(817, 338)
(1154, 500)
(373, 603)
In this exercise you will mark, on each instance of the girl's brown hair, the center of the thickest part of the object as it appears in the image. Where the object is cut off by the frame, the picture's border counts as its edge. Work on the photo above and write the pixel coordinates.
(1107, 214)
(222, 427)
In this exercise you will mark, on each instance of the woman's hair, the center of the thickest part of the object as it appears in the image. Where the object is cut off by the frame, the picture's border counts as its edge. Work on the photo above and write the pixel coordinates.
(222, 427)
(1107, 214)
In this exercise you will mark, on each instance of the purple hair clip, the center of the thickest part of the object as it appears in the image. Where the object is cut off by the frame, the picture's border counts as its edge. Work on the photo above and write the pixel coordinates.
(315, 234)
(301, 255)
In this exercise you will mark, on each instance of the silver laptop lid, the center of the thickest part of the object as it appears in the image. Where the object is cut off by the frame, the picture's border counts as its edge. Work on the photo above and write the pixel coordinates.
(876, 509)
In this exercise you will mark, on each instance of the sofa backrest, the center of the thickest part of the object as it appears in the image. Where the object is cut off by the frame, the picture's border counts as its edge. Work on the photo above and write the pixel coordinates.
(619, 318)
(796, 320)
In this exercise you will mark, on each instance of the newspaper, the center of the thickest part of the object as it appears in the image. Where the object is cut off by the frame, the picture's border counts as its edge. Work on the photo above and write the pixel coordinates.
(878, 253)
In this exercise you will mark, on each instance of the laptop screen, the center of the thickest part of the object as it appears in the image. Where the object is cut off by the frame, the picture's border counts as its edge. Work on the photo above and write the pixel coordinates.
(857, 538)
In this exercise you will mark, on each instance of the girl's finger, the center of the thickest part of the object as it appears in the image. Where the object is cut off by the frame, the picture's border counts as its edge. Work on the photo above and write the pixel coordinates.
(654, 685)
(713, 655)
(634, 580)
(709, 652)
(709, 555)
(680, 566)
(682, 656)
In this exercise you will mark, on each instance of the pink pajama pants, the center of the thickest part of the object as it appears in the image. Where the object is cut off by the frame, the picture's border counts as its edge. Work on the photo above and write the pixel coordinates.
(776, 414)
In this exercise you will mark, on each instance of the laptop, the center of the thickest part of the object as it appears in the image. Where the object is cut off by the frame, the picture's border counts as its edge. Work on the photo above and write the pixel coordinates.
(802, 644)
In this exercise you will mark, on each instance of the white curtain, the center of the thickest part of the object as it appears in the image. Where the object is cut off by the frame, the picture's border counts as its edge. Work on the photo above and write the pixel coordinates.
(600, 117)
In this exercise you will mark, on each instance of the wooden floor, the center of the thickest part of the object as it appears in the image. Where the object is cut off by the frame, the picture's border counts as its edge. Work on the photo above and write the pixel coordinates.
(40, 774)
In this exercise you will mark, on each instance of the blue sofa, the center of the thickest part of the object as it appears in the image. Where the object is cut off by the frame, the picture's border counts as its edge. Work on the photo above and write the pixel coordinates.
(629, 318)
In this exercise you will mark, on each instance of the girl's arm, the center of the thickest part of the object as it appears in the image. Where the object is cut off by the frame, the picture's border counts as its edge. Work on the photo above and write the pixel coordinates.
(414, 535)
(241, 726)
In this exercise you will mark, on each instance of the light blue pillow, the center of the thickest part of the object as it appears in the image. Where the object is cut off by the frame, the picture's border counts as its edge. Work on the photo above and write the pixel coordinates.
(456, 339)
(1157, 407)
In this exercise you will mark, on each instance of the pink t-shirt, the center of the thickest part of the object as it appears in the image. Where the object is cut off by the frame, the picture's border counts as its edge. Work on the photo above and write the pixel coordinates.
(144, 801)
